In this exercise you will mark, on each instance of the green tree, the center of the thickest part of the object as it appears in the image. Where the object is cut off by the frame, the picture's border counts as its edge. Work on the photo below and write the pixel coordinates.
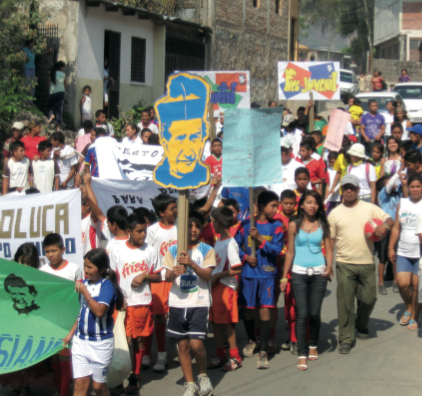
(18, 24)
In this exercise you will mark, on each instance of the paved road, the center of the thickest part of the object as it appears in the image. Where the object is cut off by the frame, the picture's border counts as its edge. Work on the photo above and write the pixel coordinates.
(386, 365)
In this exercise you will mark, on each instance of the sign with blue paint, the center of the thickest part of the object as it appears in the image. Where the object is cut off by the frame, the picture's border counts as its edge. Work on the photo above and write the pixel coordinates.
(184, 128)
(37, 312)
(252, 155)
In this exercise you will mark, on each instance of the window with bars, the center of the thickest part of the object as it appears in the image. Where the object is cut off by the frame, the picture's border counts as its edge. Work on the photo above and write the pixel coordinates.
(137, 70)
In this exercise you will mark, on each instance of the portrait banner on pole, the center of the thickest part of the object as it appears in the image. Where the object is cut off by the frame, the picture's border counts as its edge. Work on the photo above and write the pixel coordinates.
(296, 80)
(29, 218)
(252, 155)
(38, 310)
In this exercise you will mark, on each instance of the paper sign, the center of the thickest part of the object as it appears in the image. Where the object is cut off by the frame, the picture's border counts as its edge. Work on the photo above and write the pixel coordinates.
(29, 218)
(336, 128)
(184, 128)
(230, 89)
(297, 79)
(252, 155)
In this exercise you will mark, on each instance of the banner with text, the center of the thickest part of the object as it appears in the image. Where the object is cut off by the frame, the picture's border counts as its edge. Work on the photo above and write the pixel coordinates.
(37, 312)
(230, 89)
(29, 218)
(128, 162)
(252, 155)
(127, 193)
(297, 79)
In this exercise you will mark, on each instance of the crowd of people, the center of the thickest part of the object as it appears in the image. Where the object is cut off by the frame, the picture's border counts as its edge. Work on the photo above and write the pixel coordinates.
(304, 230)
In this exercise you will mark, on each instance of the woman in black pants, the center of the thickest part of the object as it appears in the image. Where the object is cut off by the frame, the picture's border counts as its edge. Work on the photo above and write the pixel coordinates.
(310, 271)
(57, 83)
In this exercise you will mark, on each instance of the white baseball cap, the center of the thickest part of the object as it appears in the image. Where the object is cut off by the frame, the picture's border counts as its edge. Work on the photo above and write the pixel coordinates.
(288, 119)
(18, 125)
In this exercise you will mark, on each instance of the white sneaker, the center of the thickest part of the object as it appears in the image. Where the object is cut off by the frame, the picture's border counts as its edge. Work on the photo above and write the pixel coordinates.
(205, 386)
(146, 361)
(191, 389)
(161, 364)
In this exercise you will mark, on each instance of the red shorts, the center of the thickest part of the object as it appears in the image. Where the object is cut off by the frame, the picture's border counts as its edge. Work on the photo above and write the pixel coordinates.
(160, 297)
(224, 305)
(139, 321)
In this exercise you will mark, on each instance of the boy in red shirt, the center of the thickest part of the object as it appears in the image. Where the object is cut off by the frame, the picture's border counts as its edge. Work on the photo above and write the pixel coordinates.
(215, 160)
(315, 167)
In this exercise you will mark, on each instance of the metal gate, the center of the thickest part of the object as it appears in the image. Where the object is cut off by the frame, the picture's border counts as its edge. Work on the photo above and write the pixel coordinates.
(44, 63)
(184, 55)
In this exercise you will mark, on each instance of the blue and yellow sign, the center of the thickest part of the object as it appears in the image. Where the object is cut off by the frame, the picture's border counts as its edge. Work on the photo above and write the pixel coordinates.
(184, 128)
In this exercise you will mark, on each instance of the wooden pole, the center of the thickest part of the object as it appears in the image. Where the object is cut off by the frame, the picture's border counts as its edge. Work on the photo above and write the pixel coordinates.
(182, 221)
(252, 213)
(311, 113)
(213, 134)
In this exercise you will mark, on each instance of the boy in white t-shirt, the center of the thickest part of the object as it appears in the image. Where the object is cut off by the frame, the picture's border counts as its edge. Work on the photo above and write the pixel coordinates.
(161, 236)
(224, 312)
(67, 159)
(46, 170)
(16, 169)
(137, 266)
(54, 250)
(335, 198)
(189, 303)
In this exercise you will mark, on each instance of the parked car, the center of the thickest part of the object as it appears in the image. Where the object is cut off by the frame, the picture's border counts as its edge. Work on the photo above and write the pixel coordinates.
(411, 93)
(382, 98)
(348, 84)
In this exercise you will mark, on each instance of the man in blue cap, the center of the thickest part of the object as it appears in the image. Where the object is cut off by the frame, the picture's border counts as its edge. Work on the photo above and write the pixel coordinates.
(415, 135)
(184, 128)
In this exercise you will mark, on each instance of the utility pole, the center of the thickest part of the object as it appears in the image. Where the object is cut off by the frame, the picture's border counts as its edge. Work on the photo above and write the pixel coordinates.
(371, 44)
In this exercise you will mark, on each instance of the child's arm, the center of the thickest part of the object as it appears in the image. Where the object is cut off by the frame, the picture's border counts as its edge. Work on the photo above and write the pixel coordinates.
(98, 309)
(225, 274)
(241, 242)
(275, 246)
(6, 175)
(204, 273)
(82, 104)
(329, 257)
(69, 177)
(382, 167)
(208, 205)
(68, 338)
(289, 255)
(363, 133)
(373, 191)
(336, 180)
(394, 237)
(389, 188)
(92, 199)
(151, 278)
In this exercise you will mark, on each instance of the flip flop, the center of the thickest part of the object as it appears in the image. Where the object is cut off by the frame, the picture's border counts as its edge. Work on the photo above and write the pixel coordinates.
(313, 357)
(302, 367)
(411, 323)
(407, 314)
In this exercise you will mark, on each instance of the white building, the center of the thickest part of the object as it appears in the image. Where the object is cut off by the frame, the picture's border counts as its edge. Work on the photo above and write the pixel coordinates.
(398, 29)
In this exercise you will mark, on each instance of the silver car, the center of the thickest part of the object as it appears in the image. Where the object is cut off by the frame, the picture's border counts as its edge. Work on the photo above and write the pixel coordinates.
(348, 83)
(411, 93)
(382, 98)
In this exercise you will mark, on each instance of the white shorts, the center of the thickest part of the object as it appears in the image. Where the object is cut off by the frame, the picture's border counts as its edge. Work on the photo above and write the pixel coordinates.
(92, 358)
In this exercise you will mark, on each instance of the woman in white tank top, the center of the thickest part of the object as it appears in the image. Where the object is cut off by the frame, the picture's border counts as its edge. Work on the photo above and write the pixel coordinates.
(401, 116)
(409, 248)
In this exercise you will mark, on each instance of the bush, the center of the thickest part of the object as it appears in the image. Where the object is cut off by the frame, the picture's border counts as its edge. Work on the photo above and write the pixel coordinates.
(134, 115)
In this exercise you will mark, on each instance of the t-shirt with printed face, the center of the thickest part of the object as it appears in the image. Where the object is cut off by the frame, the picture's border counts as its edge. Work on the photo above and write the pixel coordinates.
(190, 290)
(161, 238)
(134, 261)
(227, 258)
(372, 124)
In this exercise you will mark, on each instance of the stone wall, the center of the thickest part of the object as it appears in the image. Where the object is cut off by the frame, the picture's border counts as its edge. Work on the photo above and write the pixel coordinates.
(391, 69)
(64, 13)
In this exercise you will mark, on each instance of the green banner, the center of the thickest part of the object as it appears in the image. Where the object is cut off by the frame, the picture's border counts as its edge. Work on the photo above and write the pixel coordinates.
(37, 312)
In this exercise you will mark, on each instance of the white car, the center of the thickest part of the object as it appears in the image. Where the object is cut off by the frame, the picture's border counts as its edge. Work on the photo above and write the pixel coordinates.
(348, 83)
(382, 98)
(411, 93)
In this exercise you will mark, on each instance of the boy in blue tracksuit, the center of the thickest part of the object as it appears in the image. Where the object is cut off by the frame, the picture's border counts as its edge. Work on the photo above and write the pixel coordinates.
(259, 274)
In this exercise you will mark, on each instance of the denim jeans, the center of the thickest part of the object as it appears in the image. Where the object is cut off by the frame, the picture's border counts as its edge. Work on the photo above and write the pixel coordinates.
(55, 106)
(309, 292)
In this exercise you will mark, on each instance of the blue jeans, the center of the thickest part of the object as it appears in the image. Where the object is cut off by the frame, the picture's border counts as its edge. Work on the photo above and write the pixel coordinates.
(309, 292)
(55, 106)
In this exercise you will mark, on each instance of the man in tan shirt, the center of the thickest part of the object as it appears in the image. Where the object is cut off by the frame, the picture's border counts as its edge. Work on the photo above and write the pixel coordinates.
(355, 265)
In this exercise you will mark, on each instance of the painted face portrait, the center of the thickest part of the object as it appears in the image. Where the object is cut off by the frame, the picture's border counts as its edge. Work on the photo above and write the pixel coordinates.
(22, 294)
(183, 116)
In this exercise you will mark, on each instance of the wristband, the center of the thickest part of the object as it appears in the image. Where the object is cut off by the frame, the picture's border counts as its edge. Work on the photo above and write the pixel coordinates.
(284, 280)
(89, 300)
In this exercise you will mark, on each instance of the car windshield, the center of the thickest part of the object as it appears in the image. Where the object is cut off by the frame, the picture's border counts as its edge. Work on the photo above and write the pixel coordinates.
(346, 77)
(409, 91)
(382, 102)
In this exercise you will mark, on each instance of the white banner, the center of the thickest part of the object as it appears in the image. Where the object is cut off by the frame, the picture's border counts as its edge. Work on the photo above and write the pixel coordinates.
(127, 193)
(118, 161)
(29, 218)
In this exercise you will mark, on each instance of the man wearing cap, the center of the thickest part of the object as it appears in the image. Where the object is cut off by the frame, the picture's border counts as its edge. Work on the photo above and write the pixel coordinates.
(17, 133)
(220, 123)
(355, 265)
(291, 131)
(415, 135)
(32, 140)
(288, 166)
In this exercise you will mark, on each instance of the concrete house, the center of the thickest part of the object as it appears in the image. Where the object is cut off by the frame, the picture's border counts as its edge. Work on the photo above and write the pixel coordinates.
(145, 42)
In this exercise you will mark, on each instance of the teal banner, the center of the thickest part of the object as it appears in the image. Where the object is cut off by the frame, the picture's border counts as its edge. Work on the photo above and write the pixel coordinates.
(37, 312)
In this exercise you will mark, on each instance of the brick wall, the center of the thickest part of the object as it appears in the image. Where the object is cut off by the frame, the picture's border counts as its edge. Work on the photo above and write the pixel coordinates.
(412, 16)
(391, 69)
